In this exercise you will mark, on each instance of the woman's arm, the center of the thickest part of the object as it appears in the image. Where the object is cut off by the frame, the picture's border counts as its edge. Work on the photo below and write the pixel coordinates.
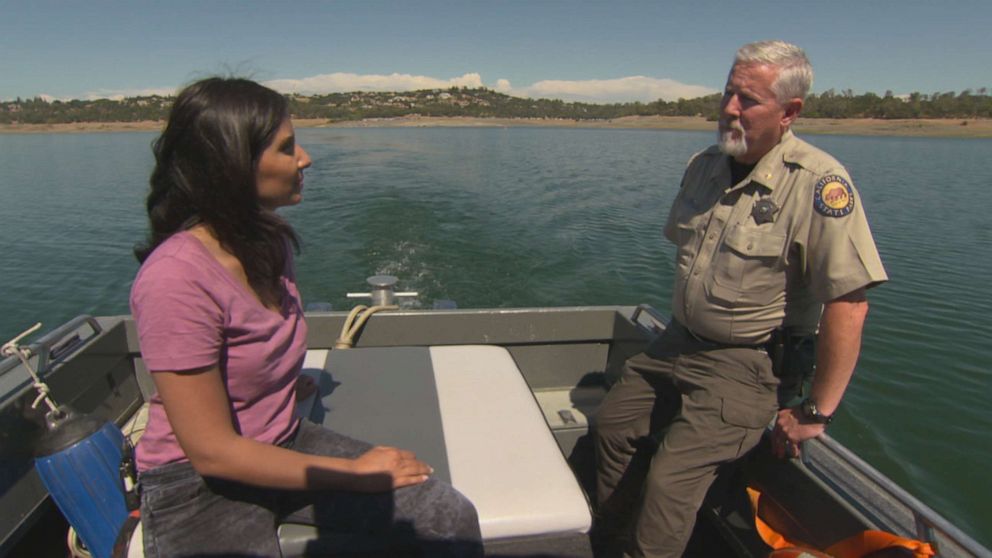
(199, 412)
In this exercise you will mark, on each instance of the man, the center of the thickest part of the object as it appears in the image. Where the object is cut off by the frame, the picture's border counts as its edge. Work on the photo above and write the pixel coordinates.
(771, 238)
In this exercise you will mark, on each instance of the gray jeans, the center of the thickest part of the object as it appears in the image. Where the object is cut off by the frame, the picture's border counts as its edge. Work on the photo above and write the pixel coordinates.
(184, 514)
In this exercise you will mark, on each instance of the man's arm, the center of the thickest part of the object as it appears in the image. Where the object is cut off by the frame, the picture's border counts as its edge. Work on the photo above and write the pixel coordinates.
(838, 347)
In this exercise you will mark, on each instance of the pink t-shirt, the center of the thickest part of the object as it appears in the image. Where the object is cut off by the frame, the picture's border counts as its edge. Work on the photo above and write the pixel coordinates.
(192, 313)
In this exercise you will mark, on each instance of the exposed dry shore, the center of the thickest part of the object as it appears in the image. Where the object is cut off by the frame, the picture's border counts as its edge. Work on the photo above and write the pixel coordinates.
(971, 128)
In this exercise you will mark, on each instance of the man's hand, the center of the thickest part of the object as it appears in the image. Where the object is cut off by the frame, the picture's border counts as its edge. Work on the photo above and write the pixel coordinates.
(791, 428)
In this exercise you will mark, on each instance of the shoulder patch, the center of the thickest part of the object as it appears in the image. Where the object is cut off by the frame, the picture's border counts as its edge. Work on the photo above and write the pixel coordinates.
(833, 196)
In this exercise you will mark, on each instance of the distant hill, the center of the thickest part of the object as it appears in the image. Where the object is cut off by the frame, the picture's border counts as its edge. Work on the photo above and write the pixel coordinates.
(483, 103)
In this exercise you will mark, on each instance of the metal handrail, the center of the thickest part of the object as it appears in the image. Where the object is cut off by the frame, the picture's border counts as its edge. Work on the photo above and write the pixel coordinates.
(927, 520)
(659, 322)
(52, 348)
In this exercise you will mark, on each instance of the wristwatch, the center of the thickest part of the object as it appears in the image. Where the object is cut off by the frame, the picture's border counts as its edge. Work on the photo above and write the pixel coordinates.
(809, 409)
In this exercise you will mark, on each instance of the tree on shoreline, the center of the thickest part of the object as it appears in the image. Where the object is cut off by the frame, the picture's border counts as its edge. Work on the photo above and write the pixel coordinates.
(486, 103)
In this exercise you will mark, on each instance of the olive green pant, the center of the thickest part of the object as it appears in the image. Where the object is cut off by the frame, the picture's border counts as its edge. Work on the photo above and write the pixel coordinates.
(679, 411)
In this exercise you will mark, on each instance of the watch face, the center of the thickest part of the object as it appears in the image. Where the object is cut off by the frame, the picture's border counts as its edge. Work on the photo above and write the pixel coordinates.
(812, 413)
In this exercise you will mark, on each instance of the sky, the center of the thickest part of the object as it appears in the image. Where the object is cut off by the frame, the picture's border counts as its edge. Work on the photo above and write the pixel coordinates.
(594, 51)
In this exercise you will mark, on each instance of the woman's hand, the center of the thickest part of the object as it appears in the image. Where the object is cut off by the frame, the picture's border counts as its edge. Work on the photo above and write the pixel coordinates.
(385, 468)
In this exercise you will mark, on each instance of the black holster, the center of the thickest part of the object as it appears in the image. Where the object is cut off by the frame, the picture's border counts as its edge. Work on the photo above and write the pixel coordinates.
(793, 356)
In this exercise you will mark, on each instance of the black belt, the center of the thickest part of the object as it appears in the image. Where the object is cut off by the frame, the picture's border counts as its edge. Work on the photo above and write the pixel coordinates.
(718, 344)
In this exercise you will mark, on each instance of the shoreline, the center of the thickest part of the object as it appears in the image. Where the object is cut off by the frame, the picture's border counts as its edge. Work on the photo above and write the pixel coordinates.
(937, 128)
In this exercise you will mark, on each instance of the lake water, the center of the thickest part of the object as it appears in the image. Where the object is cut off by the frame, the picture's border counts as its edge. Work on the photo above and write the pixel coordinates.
(552, 217)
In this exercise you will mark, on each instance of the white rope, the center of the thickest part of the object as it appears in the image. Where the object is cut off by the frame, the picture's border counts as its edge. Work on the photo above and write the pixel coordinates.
(351, 325)
(11, 348)
(76, 548)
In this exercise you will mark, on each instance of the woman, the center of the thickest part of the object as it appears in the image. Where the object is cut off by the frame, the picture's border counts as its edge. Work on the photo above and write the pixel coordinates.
(223, 459)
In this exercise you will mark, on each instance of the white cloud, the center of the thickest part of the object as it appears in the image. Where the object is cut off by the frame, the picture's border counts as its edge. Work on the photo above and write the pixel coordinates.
(340, 82)
(619, 90)
(112, 94)
(119, 94)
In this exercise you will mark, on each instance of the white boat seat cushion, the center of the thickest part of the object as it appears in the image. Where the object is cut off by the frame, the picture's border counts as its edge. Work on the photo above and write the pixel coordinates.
(467, 411)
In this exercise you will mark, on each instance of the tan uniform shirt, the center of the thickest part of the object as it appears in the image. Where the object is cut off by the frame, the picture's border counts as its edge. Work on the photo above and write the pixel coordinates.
(770, 250)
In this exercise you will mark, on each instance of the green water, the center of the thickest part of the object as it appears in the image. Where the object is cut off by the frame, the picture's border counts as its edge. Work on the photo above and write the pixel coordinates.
(550, 217)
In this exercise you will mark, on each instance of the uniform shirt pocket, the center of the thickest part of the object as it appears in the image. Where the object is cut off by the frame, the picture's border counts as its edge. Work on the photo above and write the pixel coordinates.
(747, 270)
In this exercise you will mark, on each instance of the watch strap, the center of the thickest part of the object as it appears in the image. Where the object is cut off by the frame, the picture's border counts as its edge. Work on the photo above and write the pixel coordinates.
(813, 413)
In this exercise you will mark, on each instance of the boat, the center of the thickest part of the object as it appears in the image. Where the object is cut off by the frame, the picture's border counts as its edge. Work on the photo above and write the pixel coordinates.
(498, 401)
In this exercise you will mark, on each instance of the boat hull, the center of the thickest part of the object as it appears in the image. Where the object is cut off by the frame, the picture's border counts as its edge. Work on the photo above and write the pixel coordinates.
(567, 357)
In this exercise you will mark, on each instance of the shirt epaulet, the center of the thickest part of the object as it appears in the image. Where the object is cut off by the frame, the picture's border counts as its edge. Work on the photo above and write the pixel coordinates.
(811, 158)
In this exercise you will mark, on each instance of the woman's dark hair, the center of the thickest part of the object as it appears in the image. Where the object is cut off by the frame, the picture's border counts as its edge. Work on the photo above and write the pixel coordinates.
(205, 166)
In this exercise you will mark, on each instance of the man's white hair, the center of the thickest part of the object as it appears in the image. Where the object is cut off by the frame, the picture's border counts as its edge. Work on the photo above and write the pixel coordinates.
(795, 75)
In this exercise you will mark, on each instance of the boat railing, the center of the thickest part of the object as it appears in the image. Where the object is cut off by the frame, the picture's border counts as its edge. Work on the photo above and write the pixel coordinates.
(884, 502)
(47, 351)
(658, 321)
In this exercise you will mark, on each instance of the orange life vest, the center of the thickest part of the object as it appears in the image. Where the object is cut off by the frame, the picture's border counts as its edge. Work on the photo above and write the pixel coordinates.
(855, 546)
